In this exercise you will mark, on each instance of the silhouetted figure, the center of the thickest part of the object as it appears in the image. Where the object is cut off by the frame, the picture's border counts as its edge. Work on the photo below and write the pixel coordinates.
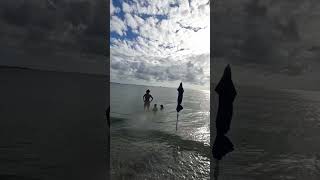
(161, 107)
(146, 100)
(155, 108)
(227, 93)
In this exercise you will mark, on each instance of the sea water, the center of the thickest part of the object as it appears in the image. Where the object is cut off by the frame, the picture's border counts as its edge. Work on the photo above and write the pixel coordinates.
(146, 145)
(276, 135)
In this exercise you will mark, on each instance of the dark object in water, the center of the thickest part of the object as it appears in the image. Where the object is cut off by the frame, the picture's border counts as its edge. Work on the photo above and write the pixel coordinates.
(227, 94)
(179, 107)
(222, 146)
(161, 107)
(180, 96)
(108, 116)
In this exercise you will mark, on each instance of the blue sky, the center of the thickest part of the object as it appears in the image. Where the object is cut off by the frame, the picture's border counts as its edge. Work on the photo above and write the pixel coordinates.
(160, 42)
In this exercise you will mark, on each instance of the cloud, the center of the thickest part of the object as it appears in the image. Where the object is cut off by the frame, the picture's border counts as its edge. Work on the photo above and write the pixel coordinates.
(159, 40)
(271, 38)
(270, 34)
(113, 9)
(194, 71)
(126, 7)
(131, 21)
(53, 33)
(117, 25)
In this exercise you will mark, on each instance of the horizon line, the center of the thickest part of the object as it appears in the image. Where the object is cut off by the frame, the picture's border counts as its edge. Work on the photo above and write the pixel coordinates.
(157, 86)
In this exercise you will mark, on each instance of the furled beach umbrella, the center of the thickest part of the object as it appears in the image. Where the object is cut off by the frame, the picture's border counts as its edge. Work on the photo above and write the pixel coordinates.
(179, 107)
(108, 116)
(227, 93)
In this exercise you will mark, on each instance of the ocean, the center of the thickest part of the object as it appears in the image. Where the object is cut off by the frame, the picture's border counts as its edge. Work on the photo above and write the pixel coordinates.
(276, 135)
(146, 145)
(52, 125)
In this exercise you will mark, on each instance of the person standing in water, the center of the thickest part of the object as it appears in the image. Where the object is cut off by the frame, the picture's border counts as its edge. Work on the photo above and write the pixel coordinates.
(161, 107)
(146, 100)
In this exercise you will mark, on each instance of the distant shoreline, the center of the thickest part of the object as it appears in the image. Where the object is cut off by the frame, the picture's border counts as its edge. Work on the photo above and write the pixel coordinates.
(186, 88)
(6, 67)
(143, 85)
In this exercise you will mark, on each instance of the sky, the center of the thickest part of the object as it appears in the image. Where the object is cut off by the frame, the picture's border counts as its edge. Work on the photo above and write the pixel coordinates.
(162, 43)
(61, 35)
(271, 43)
(274, 43)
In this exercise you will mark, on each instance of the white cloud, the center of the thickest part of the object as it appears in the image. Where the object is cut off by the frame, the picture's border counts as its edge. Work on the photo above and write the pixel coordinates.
(139, 20)
(117, 25)
(126, 7)
(113, 9)
(131, 22)
(170, 36)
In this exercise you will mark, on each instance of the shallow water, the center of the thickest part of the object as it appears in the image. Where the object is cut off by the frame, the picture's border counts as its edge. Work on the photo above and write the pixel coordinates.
(147, 145)
(276, 136)
(52, 125)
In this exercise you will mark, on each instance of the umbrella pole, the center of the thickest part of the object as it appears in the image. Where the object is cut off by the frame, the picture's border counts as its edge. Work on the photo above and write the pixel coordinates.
(177, 121)
(216, 170)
